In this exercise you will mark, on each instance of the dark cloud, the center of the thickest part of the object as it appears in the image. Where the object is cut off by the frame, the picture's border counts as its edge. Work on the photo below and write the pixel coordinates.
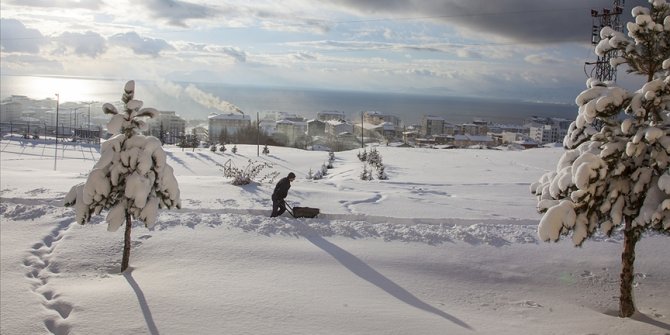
(140, 45)
(84, 44)
(16, 37)
(528, 21)
(239, 55)
(178, 12)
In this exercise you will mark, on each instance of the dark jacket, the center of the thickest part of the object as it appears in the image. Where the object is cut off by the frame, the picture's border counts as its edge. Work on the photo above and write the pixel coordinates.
(281, 190)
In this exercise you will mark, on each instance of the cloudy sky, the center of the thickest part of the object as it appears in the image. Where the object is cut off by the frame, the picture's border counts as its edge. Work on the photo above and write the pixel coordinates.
(521, 49)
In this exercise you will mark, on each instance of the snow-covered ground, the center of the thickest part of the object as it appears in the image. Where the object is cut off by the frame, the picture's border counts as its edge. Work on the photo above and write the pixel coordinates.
(446, 245)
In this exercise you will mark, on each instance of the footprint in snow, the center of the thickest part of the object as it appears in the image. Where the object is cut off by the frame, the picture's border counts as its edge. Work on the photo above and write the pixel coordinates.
(39, 270)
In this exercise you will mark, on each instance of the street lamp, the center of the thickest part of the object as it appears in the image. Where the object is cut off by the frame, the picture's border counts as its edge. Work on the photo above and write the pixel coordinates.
(75, 119)
(89, 115)
(56, 146)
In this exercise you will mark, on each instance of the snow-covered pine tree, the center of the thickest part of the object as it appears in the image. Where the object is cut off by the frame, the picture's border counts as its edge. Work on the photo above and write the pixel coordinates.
(234, 149)
(331, 159)
(362, 156)
(212, 148)
(222, 148)
(381, 174)
(131, 179)
(266, 150)
(366, 174)
(616, 178)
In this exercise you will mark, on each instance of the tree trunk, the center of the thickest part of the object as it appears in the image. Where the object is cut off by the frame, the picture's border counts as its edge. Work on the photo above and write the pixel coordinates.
(626, 303)
(126, 244)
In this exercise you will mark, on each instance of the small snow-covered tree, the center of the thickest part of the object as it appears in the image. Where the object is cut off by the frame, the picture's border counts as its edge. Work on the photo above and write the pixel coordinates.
(362, 156)
(212, 148)
(615, 177)
(366, 174)
(331, 159)
(131, 179)
(234, 149)
(381, 174)
(266, 150)
(222, 148)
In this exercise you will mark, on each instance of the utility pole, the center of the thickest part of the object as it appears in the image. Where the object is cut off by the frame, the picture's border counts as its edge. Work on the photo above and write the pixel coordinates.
(362, 141)
(56, 146)
(89, 118)
(258, 135)
(602, 69)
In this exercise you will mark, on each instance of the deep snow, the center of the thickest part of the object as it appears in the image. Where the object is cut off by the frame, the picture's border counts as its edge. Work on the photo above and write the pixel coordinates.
(447, 245)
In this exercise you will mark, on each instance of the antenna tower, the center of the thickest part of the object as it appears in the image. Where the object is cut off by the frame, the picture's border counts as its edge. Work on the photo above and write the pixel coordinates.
(601, 68)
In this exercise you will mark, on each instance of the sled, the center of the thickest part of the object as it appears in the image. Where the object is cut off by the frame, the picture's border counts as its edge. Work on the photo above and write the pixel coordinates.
(302, 212)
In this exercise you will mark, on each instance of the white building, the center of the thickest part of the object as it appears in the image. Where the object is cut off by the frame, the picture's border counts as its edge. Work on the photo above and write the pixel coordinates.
(293, 130)
(552, 131)
(330, 115)
(375, 117)
(336, 127)
(167, 126)
(230, 124)
(432, 125)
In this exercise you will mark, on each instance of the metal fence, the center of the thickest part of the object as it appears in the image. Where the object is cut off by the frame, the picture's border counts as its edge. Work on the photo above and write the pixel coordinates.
(42, 130)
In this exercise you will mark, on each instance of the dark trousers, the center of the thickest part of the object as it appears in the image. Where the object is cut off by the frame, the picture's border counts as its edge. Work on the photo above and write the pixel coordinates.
(278, 207)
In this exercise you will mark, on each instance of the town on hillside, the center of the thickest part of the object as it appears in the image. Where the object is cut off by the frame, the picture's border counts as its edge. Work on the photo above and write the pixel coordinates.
(329, 131)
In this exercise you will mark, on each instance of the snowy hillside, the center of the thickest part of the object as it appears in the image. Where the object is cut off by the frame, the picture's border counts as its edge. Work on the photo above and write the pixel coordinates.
(447, 245)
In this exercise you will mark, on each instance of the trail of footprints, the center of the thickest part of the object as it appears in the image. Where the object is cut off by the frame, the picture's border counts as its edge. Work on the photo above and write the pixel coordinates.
(38, 274)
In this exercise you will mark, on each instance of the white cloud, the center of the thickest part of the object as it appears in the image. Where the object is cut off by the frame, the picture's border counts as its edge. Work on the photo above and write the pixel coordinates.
(140, 45)
(16, 37)
(84, 44)
(539, 59)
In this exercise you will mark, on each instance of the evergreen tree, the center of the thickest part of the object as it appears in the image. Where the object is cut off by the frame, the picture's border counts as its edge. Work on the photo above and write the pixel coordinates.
(222, 148)
(366, 174)
(381, 174)
(234, 149)
(331, 159)
(363, 156)
(266, 150)
(615, 178)
(131, 179)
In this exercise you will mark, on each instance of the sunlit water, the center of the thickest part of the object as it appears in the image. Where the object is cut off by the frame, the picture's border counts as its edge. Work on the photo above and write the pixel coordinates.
(206, 98)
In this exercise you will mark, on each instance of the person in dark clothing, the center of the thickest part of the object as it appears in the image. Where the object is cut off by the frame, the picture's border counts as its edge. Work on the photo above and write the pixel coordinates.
(280, 193)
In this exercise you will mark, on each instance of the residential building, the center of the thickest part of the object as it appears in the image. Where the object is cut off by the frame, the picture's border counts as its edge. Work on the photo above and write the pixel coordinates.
(227, 124)
(432, 125)
(334, 128)
(552, 130)
(469, 140)
(294, 131)
(316, 128)
(167, 126)
(330, 115)
(475, 128)
(374, 117)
